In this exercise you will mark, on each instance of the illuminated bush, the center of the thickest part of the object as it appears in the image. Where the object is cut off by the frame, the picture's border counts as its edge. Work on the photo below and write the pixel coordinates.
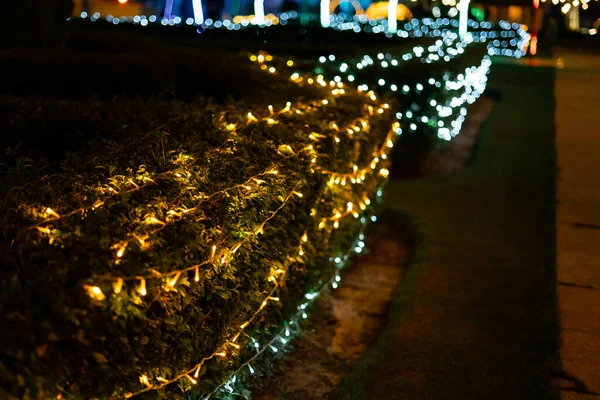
(164, 258)
(160, 257)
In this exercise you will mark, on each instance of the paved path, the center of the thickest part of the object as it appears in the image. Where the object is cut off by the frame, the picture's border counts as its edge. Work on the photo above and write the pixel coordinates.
(578, 222)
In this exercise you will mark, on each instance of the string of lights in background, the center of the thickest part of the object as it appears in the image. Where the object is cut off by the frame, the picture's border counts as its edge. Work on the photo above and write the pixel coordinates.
(458, 9)
(433, 112)
(357, 23)
(327, 10)
(503, 39)
(568, 4)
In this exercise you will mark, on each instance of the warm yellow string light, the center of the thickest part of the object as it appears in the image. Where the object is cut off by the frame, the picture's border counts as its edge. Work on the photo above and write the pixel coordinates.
(226, 255)
(231, 342)
(276, 277)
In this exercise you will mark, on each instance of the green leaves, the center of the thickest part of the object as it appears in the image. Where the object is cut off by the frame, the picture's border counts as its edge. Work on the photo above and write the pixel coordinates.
(135, 208)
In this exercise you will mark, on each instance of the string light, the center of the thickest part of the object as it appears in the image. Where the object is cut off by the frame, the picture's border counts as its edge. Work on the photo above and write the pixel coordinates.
(95, 292)
(296, 319)
(434, 27)
(173, 275)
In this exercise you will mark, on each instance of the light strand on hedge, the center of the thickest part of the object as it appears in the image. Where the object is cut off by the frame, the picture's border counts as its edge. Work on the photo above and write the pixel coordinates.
(278, 276)
(224, 256)
(171, 278)
(113, 193)
(221, 351)
(173, 216)
(157, 275)
(311, 296)
(301, 315)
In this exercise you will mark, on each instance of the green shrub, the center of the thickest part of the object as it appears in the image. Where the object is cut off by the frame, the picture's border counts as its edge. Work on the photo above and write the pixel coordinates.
(416, 75)
(129, 262)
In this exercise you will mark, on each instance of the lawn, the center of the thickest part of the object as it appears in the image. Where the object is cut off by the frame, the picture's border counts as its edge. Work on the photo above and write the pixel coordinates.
(476, 316)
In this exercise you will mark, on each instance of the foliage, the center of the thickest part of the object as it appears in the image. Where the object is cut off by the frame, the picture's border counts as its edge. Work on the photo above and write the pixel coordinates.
(129, 262)
(139, 235)
(419, 86)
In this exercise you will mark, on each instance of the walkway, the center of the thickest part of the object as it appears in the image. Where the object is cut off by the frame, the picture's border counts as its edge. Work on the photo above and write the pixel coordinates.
(478, 318)
(578, 222)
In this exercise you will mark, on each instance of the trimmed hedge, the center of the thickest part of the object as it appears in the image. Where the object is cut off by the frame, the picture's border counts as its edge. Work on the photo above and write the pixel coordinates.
(143, 253)
(421, 81)
(138, 236)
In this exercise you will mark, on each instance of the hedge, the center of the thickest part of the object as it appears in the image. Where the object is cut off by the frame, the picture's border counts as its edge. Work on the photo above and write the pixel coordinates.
(159, 255)
(152, 262)
(433, 84)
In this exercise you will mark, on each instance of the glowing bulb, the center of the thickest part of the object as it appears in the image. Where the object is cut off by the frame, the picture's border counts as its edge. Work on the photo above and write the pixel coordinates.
(174, 280)
(95, 293)
(52, 212)
(118, 285)
(142, 287)
(144, 380)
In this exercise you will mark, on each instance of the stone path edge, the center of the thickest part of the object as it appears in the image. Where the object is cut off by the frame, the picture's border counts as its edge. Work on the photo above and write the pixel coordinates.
(415, 235)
